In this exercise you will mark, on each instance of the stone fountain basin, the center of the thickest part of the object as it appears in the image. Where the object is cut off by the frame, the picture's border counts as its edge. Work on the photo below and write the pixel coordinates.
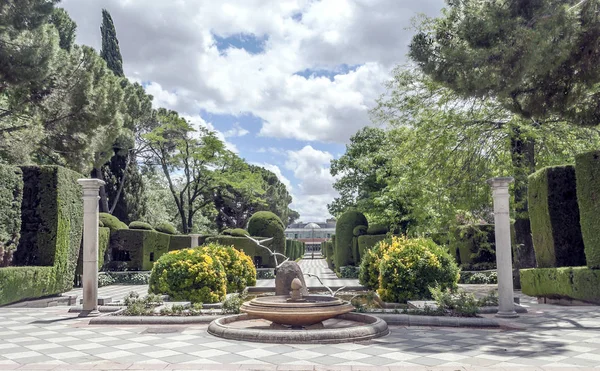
(312, 310)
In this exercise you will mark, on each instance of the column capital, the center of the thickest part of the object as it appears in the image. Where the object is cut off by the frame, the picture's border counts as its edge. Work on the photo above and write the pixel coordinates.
(500, 182)
(90, 183)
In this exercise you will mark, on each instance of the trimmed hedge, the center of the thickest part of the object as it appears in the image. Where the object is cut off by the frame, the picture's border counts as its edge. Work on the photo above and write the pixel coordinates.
(11, 196)
(267, 224)
(580, 283)
(367, 242)
(376, 229)
(260, 257)
(51, 230)
(554, 216)
(178, 242)
(133, 249)
(112, 222)
(140, 225)
(236, 232)
(343, 254)
(474, 244)
(587, 171)
(165, 228)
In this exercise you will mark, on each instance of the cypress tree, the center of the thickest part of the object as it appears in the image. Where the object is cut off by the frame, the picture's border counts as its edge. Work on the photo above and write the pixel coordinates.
(110, 45)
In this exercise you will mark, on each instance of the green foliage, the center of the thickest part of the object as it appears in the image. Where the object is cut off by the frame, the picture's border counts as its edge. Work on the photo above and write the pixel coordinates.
(165, 228)
(360, 230)
(536, 58)
(474, 244)
(112, 222)
(349, 272)
(136, 306)
(554, 216)
(344, 234)
(52, 223)
(11, 196)
(368, 274)
(189, 274)
(329, 253)
(579, 283)
(459, 304)
(65, 26)
(237, 232)
(140, 225)
(264, 274)
(137, 249)
(367, 242)
(238, 266)
(233, 302)
(179, 242)
(478, 278)
(110, 45)
(267, 224)
(587, 170)
(406, 268)
(377, 229)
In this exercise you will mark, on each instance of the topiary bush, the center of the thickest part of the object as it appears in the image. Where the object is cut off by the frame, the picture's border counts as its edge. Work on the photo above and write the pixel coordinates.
(367, 242)
(140, 225)
(587, 174)
(344, 233)
(11, 196)
(474, 244)
(267, 224)
(236, 232)
(554, 216)
(579, 283)
(360, 230)
(238, 266)
(189, 275)
(111, 221)
(405, 269)
(165, 228)
(376, 228)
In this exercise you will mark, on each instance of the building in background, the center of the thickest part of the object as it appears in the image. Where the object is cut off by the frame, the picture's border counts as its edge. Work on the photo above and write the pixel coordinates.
(312, 234)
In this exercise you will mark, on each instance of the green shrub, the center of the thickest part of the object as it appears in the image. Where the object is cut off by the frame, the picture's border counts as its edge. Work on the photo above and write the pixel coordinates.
(377, 228)
(52, 224)
(189, 274)
(367, 242)
(112, 222)
(579, 283)
(368, 274)
(349, 272)
(554, 216)
(260, 256)
(478, 278)
(236, 232)
(178, 242)
(267, 224)
(11, 196)
(329, 254)
(135, 249)
(475, 243)
(166, 228)
(344, 233)
(140, 225)
(408, 267)
(456, 304)
(100, 224)
(360, 230)
(587, 171)
(238, 266)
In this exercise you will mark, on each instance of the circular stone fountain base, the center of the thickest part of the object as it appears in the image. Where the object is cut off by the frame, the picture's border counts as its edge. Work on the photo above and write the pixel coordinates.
(343, 328)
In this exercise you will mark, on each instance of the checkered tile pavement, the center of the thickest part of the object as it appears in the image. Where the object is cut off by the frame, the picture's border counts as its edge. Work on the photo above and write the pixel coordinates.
(51, 338)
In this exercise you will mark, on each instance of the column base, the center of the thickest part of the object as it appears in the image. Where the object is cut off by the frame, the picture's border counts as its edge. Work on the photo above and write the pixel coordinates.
(510, 314)
(89, 313)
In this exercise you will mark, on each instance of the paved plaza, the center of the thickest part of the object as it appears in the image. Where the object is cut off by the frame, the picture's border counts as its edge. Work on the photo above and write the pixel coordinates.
(51, 338)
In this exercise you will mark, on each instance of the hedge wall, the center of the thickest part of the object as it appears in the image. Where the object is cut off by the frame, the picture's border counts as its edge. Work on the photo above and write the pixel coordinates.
(377, 229)
(178, 242)
(260, 256)
(267, 224)
(474, 244)
(51, 230)
(344, 233)
(11, 196)
(367, 242)
(587, 171)
(580, 283)
(136, 249)
(554, 216)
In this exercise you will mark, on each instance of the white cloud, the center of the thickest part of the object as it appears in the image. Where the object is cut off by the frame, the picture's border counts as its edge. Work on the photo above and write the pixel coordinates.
(277, 171)
(197, 121)
(235, 131)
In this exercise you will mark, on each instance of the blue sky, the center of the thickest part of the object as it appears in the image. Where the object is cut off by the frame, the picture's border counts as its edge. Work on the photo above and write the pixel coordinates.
(285, 83)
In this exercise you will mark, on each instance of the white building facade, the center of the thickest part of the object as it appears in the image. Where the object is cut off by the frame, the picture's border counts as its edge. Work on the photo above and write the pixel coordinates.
(312, 234)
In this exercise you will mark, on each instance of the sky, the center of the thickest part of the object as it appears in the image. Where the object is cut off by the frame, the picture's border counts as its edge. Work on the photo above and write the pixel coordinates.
(285, 83)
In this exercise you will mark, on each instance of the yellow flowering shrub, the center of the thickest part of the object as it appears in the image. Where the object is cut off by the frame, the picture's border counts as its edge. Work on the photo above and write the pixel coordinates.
(407, 267)
(189, 275)
(239, 268)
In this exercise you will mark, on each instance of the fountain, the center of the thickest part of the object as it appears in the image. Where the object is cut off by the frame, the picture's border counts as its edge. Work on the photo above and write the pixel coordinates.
(298, 318)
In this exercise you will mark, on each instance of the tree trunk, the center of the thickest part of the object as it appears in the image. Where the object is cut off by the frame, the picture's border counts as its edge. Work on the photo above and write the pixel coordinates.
(523, 161)
(103, 202)
(121, 183)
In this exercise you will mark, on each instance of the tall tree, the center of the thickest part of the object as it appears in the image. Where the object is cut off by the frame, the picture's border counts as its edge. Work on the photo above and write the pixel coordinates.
(110, 51)
(65, 26)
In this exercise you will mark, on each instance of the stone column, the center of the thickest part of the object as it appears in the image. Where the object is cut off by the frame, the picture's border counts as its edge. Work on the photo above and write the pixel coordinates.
(89, 281)
(506, 305)
(194, 239)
